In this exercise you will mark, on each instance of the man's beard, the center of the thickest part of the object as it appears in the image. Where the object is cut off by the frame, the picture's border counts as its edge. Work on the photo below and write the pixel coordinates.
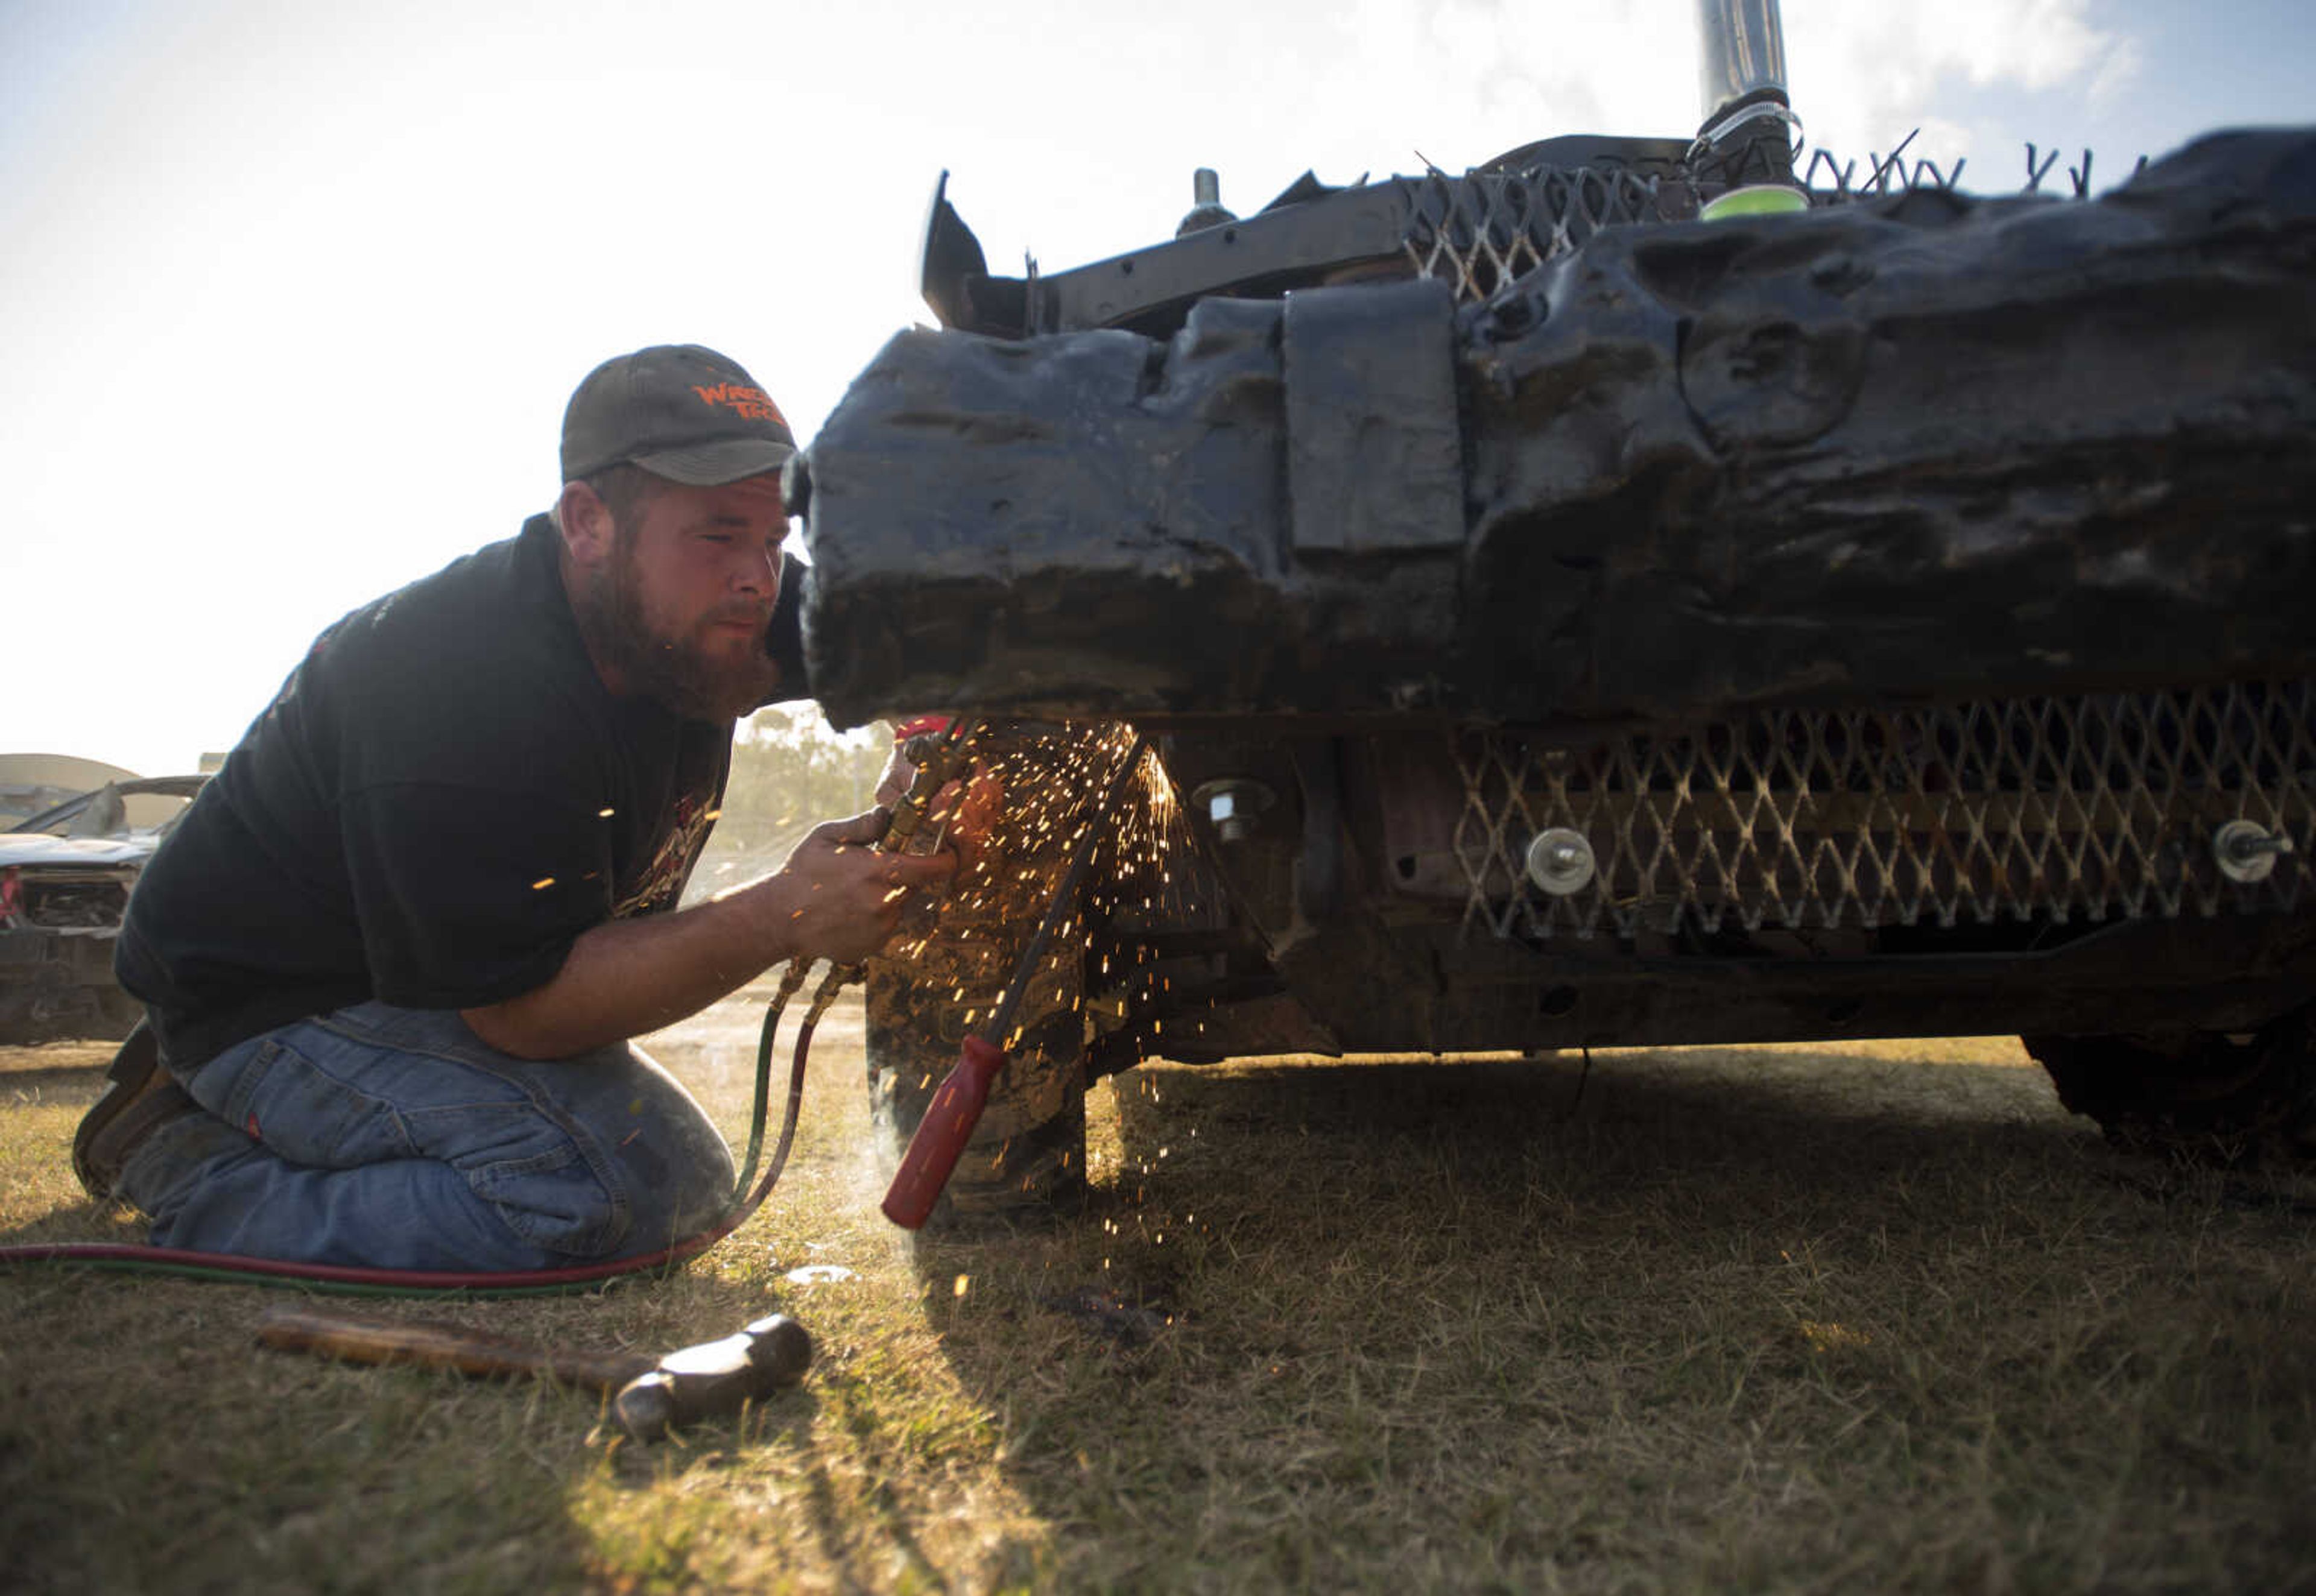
(673, 671)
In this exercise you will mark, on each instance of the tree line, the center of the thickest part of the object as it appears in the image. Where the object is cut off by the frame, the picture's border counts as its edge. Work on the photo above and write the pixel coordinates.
(790, 771)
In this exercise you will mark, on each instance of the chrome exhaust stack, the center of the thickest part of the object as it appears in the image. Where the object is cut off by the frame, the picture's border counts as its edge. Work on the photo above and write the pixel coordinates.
(1749, 133)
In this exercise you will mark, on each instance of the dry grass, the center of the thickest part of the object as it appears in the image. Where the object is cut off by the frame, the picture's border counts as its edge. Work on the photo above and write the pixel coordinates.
(1876, 1316)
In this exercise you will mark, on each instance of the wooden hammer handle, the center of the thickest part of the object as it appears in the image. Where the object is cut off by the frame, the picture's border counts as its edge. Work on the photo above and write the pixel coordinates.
(356, 1338)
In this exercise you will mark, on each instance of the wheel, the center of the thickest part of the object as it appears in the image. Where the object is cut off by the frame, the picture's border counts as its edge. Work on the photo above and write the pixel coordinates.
(2233, 1100)
(1028, 1151)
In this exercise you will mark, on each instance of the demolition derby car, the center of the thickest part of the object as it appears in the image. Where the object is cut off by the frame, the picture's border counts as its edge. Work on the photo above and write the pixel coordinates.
(1632, 593)
(66, 873)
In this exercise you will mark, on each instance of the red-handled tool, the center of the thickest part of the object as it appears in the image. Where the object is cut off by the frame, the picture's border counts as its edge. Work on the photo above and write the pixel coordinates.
(958, 1102)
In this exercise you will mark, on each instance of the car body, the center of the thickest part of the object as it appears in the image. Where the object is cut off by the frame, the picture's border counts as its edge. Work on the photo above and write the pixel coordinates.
(1565, 621)
(65, 874)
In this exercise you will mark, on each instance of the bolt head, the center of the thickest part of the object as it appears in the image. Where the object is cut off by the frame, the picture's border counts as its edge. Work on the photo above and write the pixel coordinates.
(2246, 851)
(1560, 861)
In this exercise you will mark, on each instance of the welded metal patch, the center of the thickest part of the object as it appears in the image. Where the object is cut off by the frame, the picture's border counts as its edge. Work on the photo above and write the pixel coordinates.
(1375, 457)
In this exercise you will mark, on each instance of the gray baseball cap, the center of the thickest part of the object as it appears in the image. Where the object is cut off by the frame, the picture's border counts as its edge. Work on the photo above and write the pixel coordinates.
(680, 411)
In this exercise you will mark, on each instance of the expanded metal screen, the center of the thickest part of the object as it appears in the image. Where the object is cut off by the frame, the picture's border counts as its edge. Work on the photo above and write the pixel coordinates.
(1485, 229)
(1481, 231)
(2097, 807)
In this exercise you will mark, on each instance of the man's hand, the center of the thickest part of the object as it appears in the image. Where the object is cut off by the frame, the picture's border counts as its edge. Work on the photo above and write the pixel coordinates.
(842, 898)
(963, 813)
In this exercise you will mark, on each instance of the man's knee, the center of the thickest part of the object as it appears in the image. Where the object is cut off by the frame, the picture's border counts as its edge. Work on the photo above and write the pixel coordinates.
(671, 1166)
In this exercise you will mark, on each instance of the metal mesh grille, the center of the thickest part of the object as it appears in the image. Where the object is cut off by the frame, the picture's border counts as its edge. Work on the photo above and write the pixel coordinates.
(2093, 807)
(1481, 231)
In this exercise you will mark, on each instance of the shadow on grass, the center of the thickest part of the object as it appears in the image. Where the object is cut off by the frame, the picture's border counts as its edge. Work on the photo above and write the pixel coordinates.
(1718, 1319)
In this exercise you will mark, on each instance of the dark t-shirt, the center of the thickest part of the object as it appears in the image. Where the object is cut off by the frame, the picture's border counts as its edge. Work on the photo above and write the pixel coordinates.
(442, 797)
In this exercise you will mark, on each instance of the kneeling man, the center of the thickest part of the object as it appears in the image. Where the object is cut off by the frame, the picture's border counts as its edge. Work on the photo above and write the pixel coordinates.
(393, 956)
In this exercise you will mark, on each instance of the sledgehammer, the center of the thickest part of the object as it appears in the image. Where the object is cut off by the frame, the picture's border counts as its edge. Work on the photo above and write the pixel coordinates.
(650, 1396)
(958, 1102)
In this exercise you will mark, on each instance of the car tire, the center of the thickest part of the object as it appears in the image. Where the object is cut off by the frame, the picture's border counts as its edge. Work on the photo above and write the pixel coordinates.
(1027, 1154)
(2231, 1099)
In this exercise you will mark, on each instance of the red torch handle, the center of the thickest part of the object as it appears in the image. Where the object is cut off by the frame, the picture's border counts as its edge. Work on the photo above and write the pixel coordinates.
(942, 1133)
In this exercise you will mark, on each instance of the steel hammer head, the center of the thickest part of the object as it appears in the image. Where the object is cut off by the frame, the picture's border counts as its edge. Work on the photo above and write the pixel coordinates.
(714, 1379)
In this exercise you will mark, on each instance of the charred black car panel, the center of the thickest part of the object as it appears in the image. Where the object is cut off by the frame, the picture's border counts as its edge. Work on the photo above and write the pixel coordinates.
(1596, 625)
(1911, 448)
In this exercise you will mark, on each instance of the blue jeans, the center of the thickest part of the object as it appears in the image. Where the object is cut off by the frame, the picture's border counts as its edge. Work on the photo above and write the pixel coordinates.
(394, 1137)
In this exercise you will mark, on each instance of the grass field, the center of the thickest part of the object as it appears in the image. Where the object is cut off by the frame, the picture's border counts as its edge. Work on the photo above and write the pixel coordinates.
(1875, 1316)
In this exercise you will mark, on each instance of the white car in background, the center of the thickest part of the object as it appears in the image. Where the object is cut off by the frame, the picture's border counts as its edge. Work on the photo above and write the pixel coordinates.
(66, 873)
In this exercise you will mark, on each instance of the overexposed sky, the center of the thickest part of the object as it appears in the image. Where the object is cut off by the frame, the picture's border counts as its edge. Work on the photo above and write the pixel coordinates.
(292, 294)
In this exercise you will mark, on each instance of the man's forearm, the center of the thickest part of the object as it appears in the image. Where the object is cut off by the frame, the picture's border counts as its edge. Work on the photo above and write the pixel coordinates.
(625, 978)
(836, 898)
